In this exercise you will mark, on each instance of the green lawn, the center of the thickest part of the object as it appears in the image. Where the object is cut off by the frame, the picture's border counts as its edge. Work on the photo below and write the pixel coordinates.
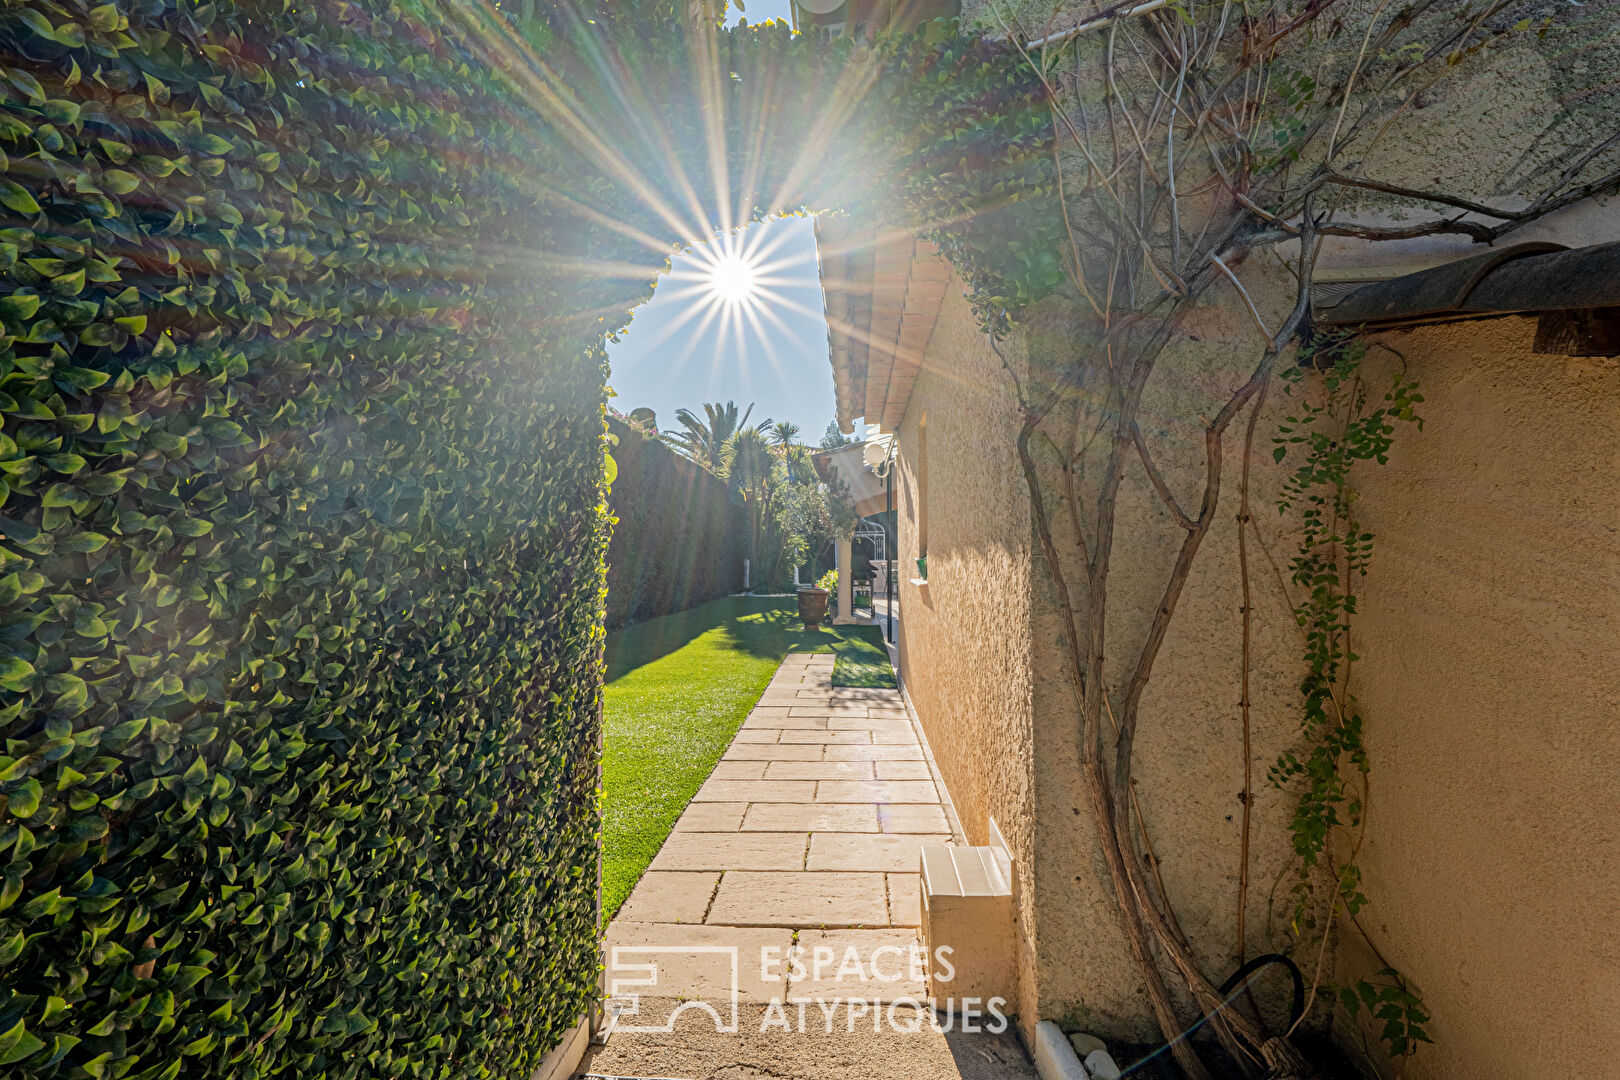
(677, 690)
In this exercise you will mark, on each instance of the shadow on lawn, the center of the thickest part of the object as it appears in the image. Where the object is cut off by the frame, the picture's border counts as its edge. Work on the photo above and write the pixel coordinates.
(767, 621)
(762, 626)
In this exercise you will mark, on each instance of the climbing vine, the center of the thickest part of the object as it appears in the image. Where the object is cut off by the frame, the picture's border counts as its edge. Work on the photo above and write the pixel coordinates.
(1337, 426)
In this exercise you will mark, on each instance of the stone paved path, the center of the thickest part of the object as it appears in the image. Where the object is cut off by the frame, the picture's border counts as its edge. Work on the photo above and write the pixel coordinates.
(776, 932)
(809, 826)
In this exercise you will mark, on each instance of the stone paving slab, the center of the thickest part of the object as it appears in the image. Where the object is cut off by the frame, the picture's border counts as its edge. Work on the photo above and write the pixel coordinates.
(743, 770)
(757, 1047)
(671, 897)
(902, 770)
(876, 791)
(897, 852)
(692, 962)
(712, 817)
(779, 720)
(872, 965)
(867, 723)
(756, 735)
(811, 817)
(911, 752)
(772, 751)
(819, 770)
(905, 899)
(802, 899)
(826, 737)
(912, 818)
(759, 791)
(731, 851)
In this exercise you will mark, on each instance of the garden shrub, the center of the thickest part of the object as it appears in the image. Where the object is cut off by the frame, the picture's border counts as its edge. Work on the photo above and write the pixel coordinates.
(678, 539)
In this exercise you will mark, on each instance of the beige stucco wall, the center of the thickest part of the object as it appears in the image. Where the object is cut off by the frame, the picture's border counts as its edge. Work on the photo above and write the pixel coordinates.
(965, 651)
(1189, 750)
(1489, 636)
(983, 658)
(1489, 677)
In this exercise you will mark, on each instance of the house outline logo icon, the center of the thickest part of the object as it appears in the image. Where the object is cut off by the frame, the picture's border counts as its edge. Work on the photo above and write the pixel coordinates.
(629, 982)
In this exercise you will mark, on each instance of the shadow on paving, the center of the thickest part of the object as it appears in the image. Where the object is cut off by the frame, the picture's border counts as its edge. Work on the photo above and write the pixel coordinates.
(841, 1048)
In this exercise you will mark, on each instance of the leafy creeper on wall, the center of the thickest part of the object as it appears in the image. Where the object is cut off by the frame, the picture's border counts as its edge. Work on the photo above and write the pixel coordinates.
(1326, 439)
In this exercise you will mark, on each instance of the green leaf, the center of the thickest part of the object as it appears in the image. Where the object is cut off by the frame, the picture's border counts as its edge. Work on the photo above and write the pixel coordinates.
(69, 284)
(17, 1045)
(105, 18)
(120, 182)
(65, 463)
(14, 197)
(16, 675)
(24, 801)
(19, 306)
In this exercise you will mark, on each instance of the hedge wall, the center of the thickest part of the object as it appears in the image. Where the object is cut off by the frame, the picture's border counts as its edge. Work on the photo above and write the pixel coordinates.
(300, 586)
(679, 538)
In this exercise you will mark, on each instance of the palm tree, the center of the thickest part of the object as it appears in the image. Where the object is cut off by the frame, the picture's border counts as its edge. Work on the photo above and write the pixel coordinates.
(784, 432)
(704, 440)
(747, 465)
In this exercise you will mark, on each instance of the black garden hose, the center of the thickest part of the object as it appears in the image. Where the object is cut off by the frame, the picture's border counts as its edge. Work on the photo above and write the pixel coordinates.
(1259, 962)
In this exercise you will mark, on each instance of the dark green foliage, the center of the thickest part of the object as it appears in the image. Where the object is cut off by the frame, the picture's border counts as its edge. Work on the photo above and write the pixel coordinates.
(301, 492)
(300, 581)
(678, 539)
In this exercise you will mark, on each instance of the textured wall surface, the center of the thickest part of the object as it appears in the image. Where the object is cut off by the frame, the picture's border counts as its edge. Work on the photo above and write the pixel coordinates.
(965, 650)
(1189, 747)
(1487, 634)
(1488, 677)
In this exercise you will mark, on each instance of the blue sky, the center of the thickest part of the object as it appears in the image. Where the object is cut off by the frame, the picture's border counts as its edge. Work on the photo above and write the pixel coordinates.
(673, 357)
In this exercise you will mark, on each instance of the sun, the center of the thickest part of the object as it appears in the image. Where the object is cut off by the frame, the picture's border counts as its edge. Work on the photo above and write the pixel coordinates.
(731, 279)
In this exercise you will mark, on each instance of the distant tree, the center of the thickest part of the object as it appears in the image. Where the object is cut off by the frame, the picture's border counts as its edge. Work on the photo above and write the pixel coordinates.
(704, 440)
(645, 419)
(783, 432)
(832, 438)
(748, 464)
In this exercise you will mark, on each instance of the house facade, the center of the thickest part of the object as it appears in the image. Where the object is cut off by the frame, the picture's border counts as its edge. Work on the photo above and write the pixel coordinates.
(1487, 633)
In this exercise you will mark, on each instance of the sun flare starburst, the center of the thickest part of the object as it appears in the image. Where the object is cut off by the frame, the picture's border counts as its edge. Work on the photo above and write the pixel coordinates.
(732, 280)
(733, 292)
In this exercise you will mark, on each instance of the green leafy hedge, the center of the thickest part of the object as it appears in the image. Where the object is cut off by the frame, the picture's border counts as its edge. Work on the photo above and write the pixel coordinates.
(678, 539)
(300, 586)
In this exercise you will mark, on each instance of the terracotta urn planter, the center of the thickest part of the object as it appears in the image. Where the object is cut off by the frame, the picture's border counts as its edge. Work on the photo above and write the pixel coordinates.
(813, 607)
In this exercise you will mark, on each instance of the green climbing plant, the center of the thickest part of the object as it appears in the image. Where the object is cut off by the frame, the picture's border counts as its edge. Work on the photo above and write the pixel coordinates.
(1337, 426)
